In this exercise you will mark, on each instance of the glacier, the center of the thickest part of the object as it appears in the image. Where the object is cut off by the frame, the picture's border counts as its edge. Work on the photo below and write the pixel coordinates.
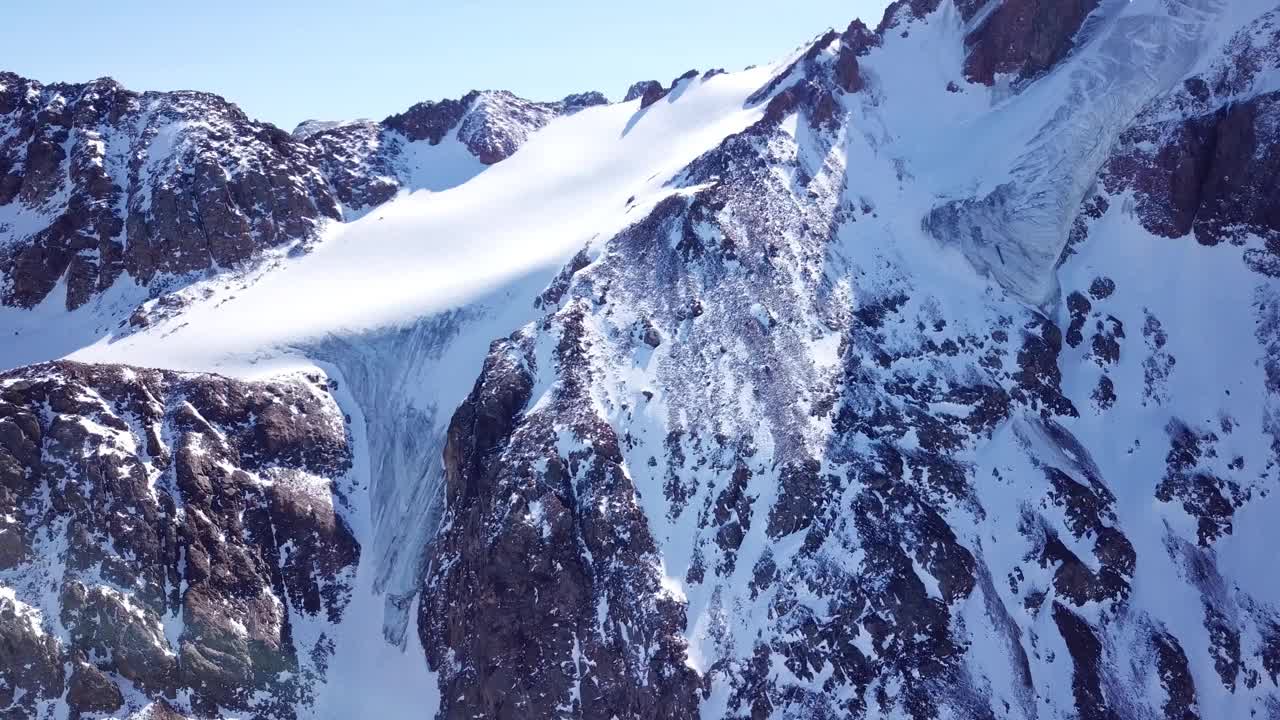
(1127, 54)
(949, 214)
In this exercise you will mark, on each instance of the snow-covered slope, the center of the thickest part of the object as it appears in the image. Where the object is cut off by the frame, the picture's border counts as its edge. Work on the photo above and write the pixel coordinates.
(930, 372)
(100, 186)
(490, 247)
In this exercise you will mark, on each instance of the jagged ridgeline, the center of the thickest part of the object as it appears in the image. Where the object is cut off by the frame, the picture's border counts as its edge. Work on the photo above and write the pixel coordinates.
(101, 182)
(928, 372)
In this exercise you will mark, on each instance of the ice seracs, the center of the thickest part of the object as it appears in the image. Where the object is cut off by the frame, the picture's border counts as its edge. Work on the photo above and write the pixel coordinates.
(1065, 125)
(747, 397)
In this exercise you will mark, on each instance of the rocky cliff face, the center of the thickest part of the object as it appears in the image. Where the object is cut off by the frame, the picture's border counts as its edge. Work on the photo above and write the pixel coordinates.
(1022, 39)
(824, 427)
(170, 539)
(1203, 159)
(99, 183)
(103, 182)
(753, 464)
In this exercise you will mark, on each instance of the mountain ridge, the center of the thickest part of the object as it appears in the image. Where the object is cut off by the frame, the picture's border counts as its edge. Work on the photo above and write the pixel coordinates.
(108, 182)
(751, 396)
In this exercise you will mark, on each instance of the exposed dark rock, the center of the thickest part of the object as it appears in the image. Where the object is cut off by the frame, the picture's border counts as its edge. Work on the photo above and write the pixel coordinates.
(804, 71)
(688, 75)
(650, 335)
(536, 586)
(1088, 508)
(1086, 658)
(1079, 308)
(856, 41)
(182, 500)
(1175, 677)
(90, 691)
(903, 11)
(431, 120)
(30, 662)
(1104, 394)
(498, 123)
(1271, 650)
(246, 188)
(359, 162)
(1039, 378)
(581, 101)
(1224, 646)
(1101, 288)
(1106, 341)
(556, 289)
(164, 187)
(637, 90)
(648, 92)
(1211, 500)
(102, 623)
(1091, 209)
(802, 492)
(1075, 581)
(1212, 173)
(1024, 38)
(848, 75)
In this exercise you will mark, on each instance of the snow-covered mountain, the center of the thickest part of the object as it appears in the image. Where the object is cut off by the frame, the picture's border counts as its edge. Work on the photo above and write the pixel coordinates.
(100, 182)
(932, 371)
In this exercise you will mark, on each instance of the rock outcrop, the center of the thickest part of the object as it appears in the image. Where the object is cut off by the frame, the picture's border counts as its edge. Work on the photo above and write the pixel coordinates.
(498, 123)
(101, 181)
(170, 538)
(647, 92)
(1205, 159)
(1024, 38)
(568, 615)
(810, 433)
(843, 495)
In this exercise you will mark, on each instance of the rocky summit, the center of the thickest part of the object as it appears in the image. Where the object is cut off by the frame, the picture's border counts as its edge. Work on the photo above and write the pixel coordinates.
(930, 371)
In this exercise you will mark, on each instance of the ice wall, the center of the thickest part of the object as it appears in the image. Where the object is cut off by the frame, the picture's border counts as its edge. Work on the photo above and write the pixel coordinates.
(396, 377)
(1129, 53)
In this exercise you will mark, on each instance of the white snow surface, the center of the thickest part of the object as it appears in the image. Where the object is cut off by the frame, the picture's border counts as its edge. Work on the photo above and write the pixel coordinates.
(424, 252)
(400, 306)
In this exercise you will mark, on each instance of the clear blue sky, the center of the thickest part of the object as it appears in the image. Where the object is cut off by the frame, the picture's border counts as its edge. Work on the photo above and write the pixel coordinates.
(285, 61)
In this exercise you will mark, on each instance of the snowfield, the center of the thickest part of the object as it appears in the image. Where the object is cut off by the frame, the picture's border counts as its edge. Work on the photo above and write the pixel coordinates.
(882, 391)
(580, 179)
